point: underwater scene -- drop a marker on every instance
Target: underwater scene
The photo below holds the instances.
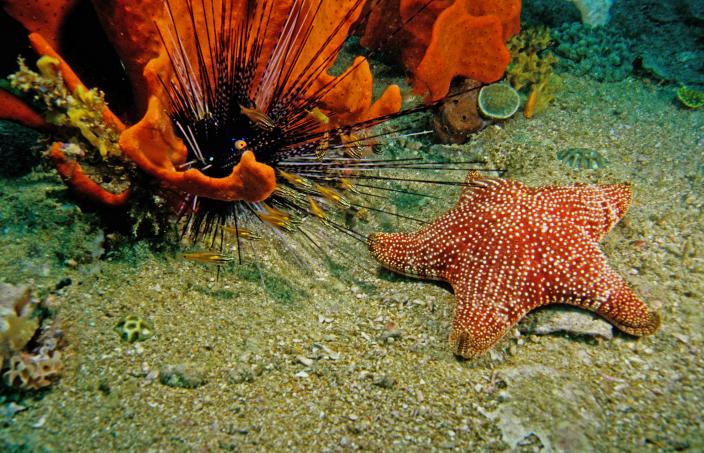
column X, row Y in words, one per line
column 352, row 225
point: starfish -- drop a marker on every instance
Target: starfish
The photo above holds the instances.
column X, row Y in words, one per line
column 506, row 249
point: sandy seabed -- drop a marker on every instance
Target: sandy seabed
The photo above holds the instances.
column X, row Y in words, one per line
column 347, row 359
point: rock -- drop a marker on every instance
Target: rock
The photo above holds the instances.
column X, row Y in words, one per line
column 240, row 373
column 458, row 117
column 567, row 320
column 384, row 381
column 182, row 375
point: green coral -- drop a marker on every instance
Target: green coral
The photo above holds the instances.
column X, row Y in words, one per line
column 690, row 98
column 582, row 158
column 133, row 328
column 594, row 52
column 531, row 61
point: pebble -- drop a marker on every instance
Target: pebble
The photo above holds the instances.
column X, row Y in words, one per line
column 384, row 381
column 572, row 321
column 304, row 360
column 182, row 375
column 239, row 374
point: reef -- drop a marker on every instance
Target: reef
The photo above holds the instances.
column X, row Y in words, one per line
column 439, row 41
column 598, row 52
column 665, row 36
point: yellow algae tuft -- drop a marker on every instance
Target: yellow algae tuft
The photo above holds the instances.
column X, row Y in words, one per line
column 531, row 68
column 80, row 111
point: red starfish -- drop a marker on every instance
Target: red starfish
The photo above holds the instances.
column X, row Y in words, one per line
column 506, row 249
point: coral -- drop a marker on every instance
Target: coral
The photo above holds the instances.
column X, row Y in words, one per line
column 81, row 115
column 595, row 52
column 690, row 98
column 17, row 326
column 594, row 12
column 443, row 39
column 33, row 362
column 651, row 25
column 582, row 158
column 133, row 328
column 34, row 371
column 458, row 116
column 541, row 95
column 531, row 61
column 81, row 110
column 531, row 68
column 498, row 101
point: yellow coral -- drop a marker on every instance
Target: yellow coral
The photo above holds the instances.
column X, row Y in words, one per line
column 531, row 68
column 541, row 95
column 531, row 63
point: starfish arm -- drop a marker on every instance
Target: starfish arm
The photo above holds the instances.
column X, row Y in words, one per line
column 584, row 279
column 485, row 311
column 622, row 308
column 595, row 208
column 404, row 253
column 494, row 291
